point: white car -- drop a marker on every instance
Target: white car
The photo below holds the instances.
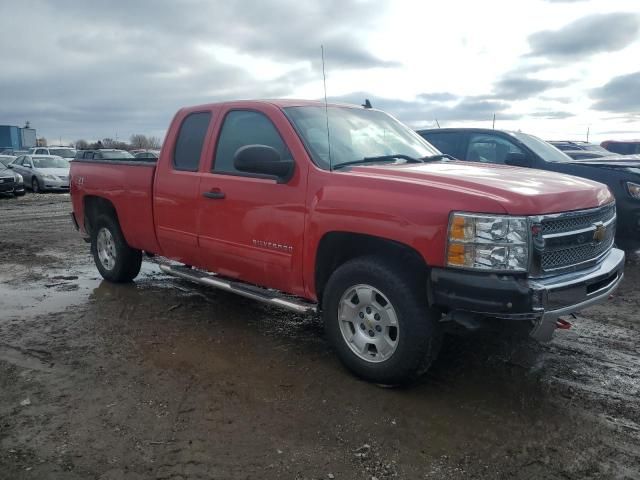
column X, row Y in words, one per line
column 64, row 152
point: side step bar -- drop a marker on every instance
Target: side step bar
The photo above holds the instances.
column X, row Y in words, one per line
column 253, row 292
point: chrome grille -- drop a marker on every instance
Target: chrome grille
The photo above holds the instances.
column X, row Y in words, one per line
column 576, row 221
column 577, row 254
column 567, row 241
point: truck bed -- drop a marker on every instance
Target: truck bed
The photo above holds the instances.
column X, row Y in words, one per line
column 128, row 184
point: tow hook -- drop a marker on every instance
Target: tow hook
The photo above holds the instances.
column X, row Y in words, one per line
column 563, row 324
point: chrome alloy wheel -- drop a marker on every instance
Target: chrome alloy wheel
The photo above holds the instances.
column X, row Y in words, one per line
column 106, row 248
column 368, row 323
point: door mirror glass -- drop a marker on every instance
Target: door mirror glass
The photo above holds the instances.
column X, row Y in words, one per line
column 263, row 160
column 517, row 159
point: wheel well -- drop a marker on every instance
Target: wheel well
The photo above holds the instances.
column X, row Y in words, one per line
column 337, row 248
column 94, row 207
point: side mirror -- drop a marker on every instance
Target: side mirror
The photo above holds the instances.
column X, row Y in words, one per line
column 516, row 159
column 263, row 160
column 10, row 166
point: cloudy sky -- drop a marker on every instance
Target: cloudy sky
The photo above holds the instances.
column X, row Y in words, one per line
column 94, row 69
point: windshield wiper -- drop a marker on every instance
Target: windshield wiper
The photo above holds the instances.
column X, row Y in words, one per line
column 435, row 158
column 394, row 156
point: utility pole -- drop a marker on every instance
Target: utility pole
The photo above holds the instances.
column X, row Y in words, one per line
column 588, row 133
column 493, row 127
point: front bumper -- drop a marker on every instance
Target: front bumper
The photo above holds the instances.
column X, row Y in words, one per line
column 58, row 184
column 9, row 187
column 541, row 300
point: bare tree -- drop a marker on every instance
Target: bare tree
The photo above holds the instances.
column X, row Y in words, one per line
column 82, row 144
column 154, row 143
column 139, row 141
column 41, row 142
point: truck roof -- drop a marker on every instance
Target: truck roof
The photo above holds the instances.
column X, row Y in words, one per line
column 280, row 102
column 464, row 129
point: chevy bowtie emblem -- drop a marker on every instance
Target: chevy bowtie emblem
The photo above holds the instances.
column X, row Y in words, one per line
column 599, row 233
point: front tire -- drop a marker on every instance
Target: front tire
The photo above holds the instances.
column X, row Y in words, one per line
column 35, row 185
column 115, row 259
column 378, row 320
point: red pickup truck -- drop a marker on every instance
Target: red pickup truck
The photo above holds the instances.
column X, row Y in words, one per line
column 346, row 211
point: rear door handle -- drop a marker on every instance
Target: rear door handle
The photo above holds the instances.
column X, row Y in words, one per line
column 214, row 194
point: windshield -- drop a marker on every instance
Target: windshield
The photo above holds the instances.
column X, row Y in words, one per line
column 113, row 154
column 543, row 149
column 354, row 134
column 63, row 152
column 50, row 162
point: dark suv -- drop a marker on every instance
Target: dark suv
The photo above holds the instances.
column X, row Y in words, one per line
column 620, row 174
column 630, row 147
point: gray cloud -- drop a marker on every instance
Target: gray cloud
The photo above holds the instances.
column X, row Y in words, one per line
column 96, row 70
column 620, row 94
column 438, row 96
column 586, row 36
column 552, row 115
column 519, row 88
column 422, row 110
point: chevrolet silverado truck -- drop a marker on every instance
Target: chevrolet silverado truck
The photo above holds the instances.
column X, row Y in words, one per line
column 345, row 211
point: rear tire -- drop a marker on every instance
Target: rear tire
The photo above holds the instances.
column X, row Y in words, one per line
column 115, row 259
column 389, row 336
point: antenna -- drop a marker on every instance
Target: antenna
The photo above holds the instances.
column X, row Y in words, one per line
column 437, row 123
column 326, row 106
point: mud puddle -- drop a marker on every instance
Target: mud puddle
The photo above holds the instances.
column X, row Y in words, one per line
column 43, row 290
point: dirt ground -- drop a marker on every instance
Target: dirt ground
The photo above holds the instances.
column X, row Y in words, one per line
column 162, row 379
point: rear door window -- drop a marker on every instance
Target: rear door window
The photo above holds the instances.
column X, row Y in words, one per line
column 490, row 148
column 241, row 128
column 188, row 150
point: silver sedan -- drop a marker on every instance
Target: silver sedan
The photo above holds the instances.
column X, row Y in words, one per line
column 43, row 172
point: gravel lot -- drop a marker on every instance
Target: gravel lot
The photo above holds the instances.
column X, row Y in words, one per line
column 166, row 380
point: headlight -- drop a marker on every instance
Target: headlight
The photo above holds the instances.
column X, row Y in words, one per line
column 50, row 177
column 18, row 178
column 634, row 190
column 488, row 242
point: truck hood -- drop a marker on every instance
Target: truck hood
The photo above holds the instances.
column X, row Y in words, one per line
column 611, row 162
column 520, row 191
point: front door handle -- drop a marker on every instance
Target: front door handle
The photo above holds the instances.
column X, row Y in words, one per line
column 215, row 194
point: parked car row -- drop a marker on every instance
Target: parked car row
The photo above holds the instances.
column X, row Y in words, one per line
column 115, row 154
column 40, row 173
column 621, row 174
